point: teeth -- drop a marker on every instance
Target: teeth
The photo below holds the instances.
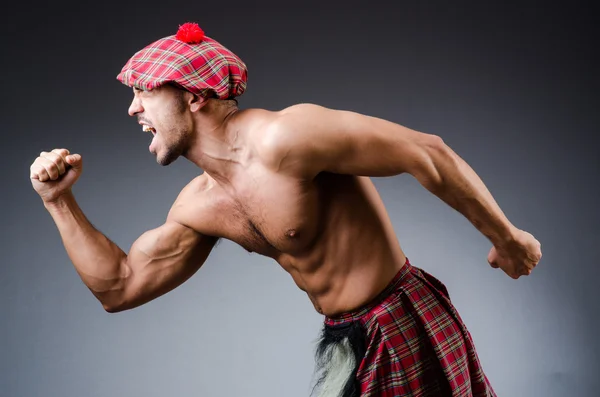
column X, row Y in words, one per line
column 147, row 128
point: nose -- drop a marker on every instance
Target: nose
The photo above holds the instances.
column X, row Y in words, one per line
column 135, row 107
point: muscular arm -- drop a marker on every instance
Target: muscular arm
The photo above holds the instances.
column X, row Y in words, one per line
column 308, row 139
column 158, row 261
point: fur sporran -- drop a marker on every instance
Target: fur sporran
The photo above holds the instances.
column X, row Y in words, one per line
column 339, row 353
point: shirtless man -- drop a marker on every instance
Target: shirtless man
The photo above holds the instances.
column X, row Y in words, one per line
column 293, row 185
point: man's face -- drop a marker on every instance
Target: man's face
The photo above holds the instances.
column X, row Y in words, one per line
column 164, row 113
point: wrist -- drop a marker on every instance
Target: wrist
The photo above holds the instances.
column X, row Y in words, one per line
column 60, row 203
column 505, row 236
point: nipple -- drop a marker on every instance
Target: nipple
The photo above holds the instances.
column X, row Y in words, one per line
column 291, row 233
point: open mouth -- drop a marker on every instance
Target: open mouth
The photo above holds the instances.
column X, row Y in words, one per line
column 147, row 128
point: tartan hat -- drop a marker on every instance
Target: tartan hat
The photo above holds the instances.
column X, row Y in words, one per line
column 189, row 59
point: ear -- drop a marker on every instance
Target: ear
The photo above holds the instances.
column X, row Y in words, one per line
column 196, row 102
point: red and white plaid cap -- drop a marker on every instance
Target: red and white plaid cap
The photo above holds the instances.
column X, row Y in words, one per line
column 189, row 59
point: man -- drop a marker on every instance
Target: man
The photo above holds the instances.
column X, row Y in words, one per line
column 293, row 185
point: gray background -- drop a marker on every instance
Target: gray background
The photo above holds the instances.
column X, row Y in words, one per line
column 512, row 88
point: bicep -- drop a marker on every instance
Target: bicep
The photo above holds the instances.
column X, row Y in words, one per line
column 162, row 259
column 318, row 139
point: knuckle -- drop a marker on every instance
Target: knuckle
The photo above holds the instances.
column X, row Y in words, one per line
column 60, row 153
column 55, row 159
column 51, row 167
column 59, row 162
column 53, row 156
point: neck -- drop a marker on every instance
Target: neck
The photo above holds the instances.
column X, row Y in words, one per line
column 216, row 148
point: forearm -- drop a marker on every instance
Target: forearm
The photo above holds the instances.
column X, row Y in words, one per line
column 98, row 261
column 451, row 179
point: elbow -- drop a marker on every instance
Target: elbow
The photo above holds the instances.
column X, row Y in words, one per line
column 432, row 145
column 118, row 306
column 435, row 156
column 114, row 297
column 434, row 142
column 114, row 304
column 112, row 308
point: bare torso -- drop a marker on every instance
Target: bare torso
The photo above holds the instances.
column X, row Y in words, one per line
column 331, row 234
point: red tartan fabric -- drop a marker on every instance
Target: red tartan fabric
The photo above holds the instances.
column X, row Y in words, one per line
column 417, row 344
column 205, row 68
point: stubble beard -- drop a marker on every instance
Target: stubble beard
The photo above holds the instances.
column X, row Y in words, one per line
column 173, row 150
column 178, row 143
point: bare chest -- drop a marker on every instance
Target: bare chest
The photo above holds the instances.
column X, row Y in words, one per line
column 268, row 214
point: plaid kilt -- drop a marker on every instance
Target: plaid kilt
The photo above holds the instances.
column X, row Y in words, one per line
column 415, row 342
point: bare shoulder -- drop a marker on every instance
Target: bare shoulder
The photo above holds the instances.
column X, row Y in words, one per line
column 300, row 109
column 265, row 126
column 193, row 189
column 304, row 140
column 278, row 135
column 298, row 117
column 192, row 206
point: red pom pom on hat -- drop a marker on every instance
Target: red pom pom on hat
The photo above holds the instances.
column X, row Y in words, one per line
column 190, row 33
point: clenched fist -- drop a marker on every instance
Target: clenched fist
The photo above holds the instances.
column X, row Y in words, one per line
column 53, row 173
column 517, row 258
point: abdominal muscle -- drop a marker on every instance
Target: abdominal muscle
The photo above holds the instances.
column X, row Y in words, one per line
column 333, row 236
column 355, row 255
